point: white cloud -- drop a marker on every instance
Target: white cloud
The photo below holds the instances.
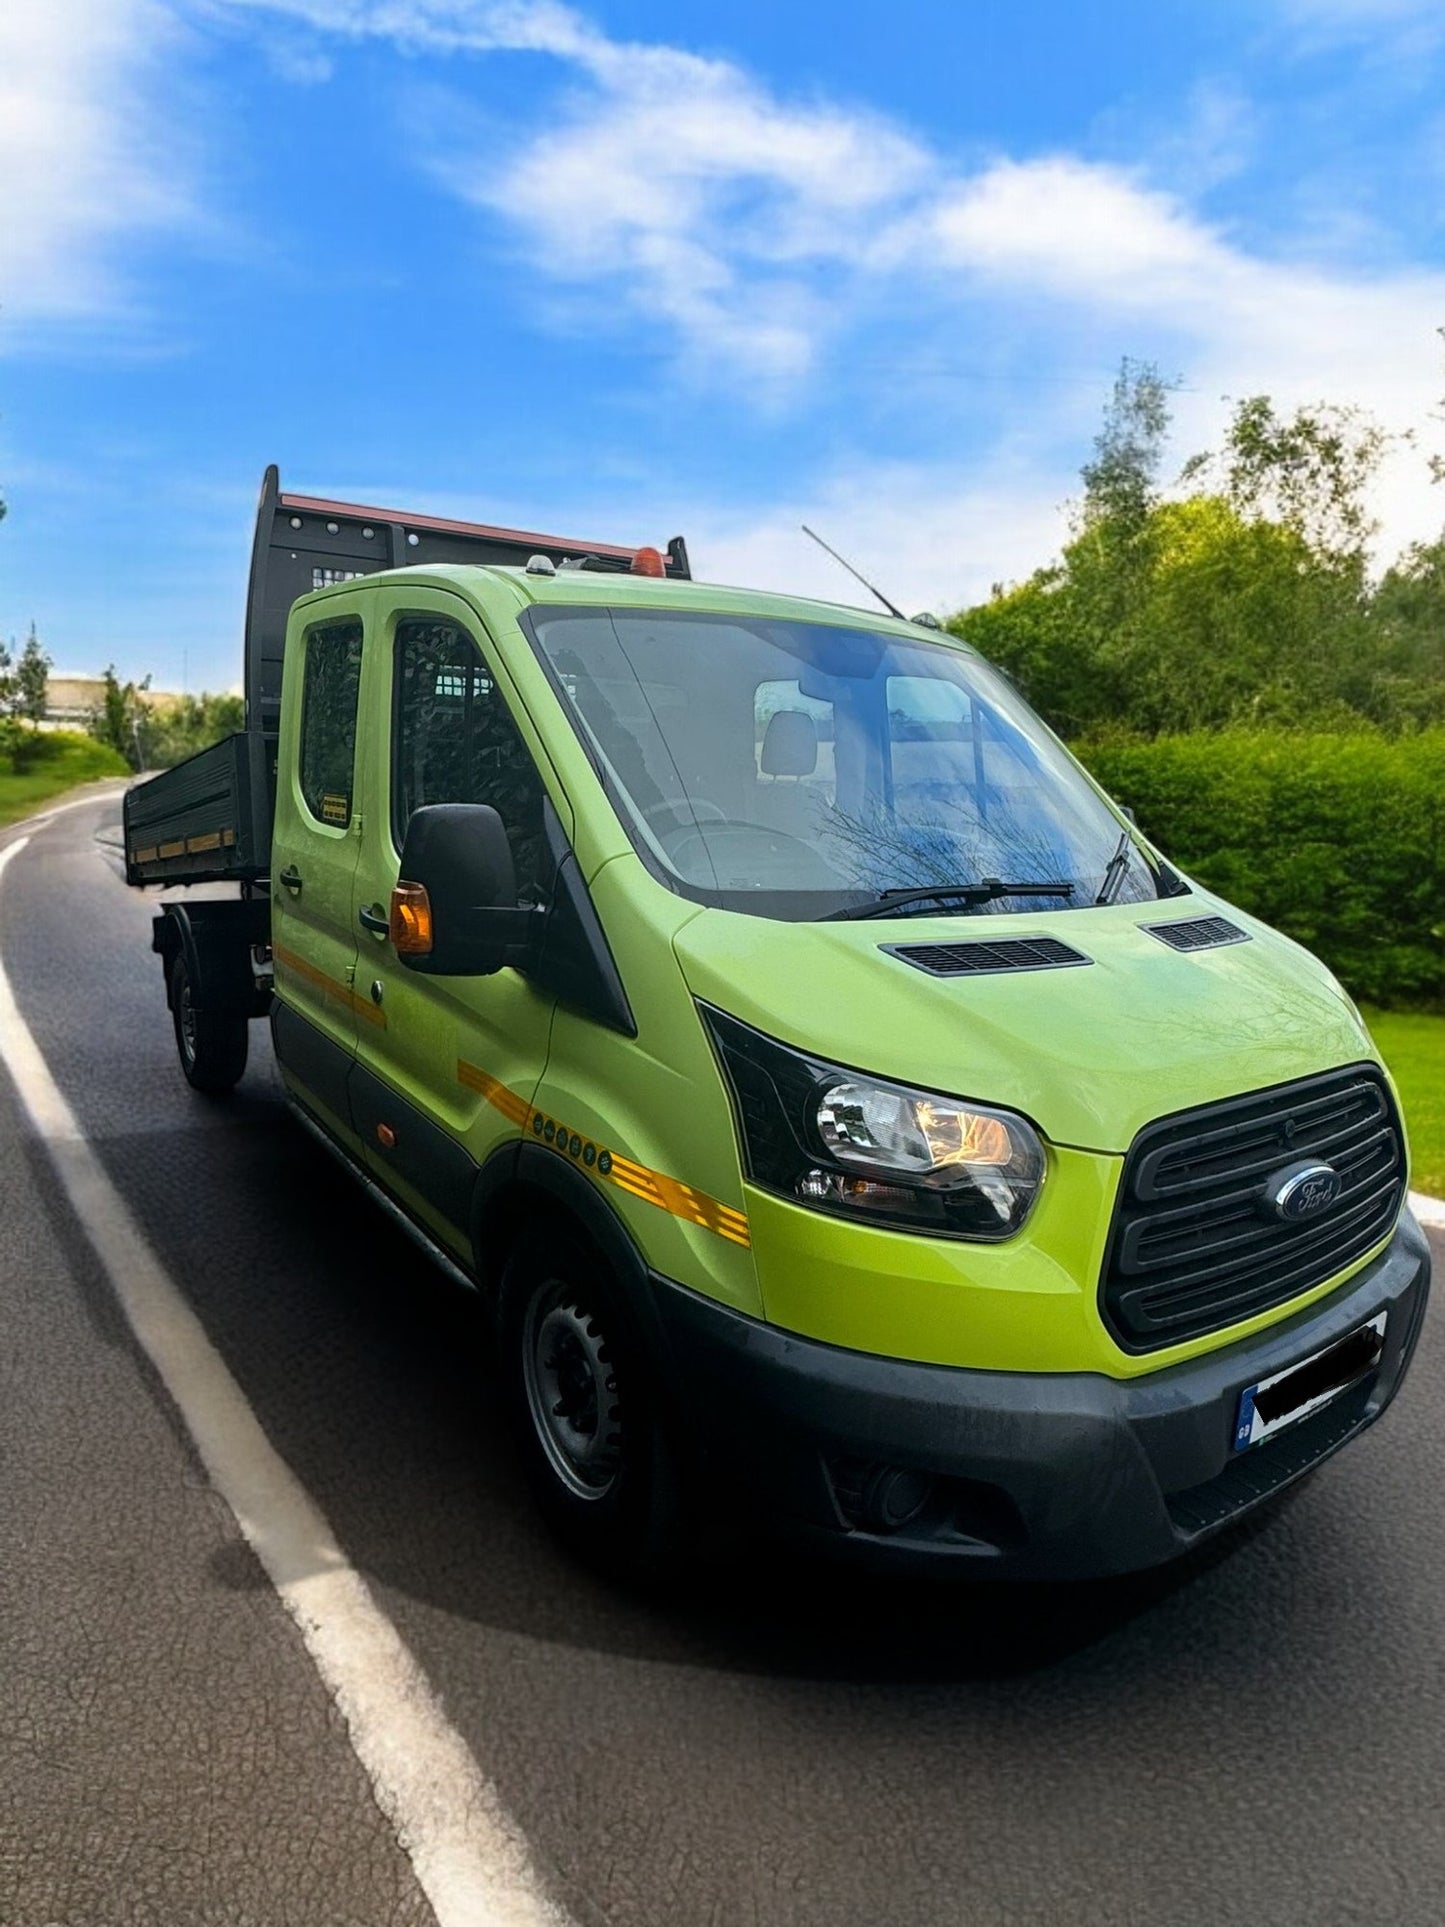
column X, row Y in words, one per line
column 924, row 537
column 755, row 227
column 1399, row 34
column 88, row 154
column 1364, row 13
column 753, row 231
column 710, row 204
column 765, row 237
column 449, row 26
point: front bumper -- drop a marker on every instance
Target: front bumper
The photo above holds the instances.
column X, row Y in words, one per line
column 1033, row 1475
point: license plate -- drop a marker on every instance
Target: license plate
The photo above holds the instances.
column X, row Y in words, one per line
column 1290, row 1395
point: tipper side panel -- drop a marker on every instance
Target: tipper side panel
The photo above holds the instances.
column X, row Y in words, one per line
column 207, row 820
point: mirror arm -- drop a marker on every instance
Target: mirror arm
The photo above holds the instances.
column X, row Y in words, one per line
column 519, row 929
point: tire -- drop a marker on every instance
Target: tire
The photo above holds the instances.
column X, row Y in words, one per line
column 211, row 1044
column 583, row 1401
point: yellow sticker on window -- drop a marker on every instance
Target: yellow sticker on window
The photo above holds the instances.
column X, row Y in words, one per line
column 336, row 809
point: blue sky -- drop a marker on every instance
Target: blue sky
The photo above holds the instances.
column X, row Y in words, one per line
column 623, row 269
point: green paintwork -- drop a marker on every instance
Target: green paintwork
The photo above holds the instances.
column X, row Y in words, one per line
column 317, row 923
column 1089, row 1054
column 500, row 1023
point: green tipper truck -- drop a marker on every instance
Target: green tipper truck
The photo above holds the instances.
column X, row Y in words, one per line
column 852, row 1119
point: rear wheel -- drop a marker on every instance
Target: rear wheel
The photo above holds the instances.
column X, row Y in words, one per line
column 593, row 1436
column 210, row 1044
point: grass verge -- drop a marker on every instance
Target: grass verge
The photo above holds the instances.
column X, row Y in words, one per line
column 1414, row 1048
column 57, row 761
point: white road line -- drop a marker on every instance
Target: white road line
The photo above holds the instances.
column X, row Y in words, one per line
column 28, row 825
column 470, row 1860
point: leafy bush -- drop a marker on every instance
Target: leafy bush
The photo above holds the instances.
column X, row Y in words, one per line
column 54, row 760
column 194, row 723
column 158, row 736
column 1336, row 839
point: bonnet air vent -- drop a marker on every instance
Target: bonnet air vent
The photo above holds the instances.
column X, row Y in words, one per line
column 977, row 959
column 1198, row 933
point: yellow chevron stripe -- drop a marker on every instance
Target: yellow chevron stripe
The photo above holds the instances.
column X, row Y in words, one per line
column 637, row 1180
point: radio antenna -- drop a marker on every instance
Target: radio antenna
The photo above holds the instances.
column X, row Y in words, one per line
column 855, row 573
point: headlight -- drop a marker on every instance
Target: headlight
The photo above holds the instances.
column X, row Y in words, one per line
column 843, row 1142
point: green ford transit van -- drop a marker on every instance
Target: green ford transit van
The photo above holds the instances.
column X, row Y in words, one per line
column 853, row 1119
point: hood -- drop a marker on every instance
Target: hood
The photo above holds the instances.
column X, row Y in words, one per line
column 1090, row 1053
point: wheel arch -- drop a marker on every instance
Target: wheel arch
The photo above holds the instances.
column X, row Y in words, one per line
column 527, row 1186
column 214, row 940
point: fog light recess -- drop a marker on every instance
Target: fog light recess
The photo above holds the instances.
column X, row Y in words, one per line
column 880, row 1498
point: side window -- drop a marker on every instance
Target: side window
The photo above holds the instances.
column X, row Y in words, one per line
column 454, row 741
column 925, row 709
column 330, row 687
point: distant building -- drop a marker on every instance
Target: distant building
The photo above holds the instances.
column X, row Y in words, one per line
column 71, row 701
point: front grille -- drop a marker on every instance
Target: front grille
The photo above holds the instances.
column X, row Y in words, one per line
column 973, row 959
column 1194, row 1247
column 1197, row 933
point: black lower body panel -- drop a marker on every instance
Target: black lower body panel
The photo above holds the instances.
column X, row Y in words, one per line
column 1038, row 1476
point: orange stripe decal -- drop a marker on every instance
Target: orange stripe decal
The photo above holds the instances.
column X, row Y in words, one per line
column 515, row 1109
column 363, row 1007
column 637, row 1180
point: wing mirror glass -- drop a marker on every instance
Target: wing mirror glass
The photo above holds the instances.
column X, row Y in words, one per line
column 454, row 911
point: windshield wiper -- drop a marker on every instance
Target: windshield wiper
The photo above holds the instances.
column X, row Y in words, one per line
column 1114, row 872
column 984, row 891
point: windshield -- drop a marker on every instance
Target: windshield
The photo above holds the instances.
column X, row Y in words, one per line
column 797, row 769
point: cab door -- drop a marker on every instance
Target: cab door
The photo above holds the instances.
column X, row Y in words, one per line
column 450, row 1075
column 316, row 841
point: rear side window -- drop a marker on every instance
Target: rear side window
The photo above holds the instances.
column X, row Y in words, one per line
column 455, row 742
column 328, row 721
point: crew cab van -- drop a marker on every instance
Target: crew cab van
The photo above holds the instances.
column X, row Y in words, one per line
column 852, row 1118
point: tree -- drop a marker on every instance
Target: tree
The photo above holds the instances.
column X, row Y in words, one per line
column 121, row 719
column 1121, row 482
column 1245, row 601
column 32, row 680
column 16, row 742
column 1310, row 471
column 192, row 724
column 1408, row 610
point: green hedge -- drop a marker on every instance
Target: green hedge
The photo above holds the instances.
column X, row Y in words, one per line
column 48, row 763
column 1338, row 840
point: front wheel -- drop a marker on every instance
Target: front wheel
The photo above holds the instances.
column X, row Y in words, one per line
column 597, row 1450
column 210, row 1044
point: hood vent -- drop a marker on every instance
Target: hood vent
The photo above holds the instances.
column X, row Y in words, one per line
column 1199, row 933
column 979, row 959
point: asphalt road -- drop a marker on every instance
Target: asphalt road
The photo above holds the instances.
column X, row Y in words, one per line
column 1255, row 1736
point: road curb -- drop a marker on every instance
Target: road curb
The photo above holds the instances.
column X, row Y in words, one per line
column 70, row 799
column 1430, row 1211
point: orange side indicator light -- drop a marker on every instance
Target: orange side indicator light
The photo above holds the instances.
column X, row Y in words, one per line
column 411, row 920
column 386, row 1137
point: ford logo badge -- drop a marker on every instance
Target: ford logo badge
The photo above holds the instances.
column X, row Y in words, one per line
column 1303, row 1191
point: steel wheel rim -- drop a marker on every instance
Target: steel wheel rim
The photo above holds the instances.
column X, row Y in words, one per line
column 188, row 1022
column 571, row 1391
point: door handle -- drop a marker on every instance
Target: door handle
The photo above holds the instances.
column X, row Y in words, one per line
column 291, row 878
column 374, row 921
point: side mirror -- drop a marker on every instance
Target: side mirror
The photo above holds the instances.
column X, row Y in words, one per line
column 454, row 911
